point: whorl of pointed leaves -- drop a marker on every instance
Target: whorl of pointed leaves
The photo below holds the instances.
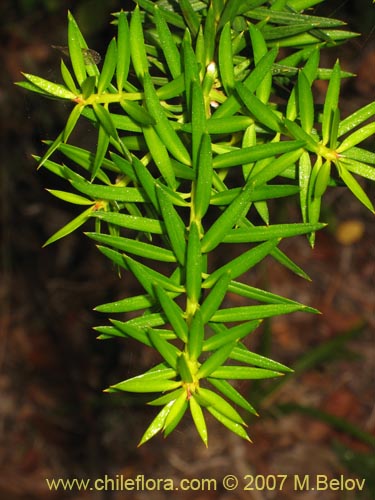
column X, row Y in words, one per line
column 200, row 123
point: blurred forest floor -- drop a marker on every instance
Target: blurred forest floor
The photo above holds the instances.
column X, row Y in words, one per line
column 54, row 419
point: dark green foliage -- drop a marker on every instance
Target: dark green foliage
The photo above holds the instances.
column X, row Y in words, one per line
column 194, row 137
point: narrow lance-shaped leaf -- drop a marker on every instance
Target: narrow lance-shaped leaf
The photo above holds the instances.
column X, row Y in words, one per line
column 305, row 103
column 70, row 227
column 50, row 88
column 215, row 360
column 255, row 153
column 216, row 296
column 137, row 45
column 68, row 79
column 226, row 221
column 304, row 171
column 71, row 122
column 257, row 108
column 322, row 179
column 264, row 233
column 71, row 197
column 174, row 225
column 203, row 185
column 239, row 265
column 198, row 121
column 168, row 44
column 226, row 59
column 190, row 66
column 356, row 118
column 130, row 221
column 105, row 120
column 138, row 384
column 231, row 393
column 88, row 86
column 260, row 50
column 196, row 336
column 185, row 368
column 227, row 422
column 331, row 102
column 247, row 313
column 277, row 167
column 123, row 51
column 173, row 312
column 198, row 419
column 133, row 246
column 101, row 151
column 191, row 17
column 355, row 187
column 167, row 398
column 75, row 45
column 175, row 414
column 242, row 354
column 209, row 33
column 207, row 398
column 248, row 140
column 233, row 104
column 226, row 335
column 243, row 373
column 109, row 67
column 156, row 424
column 167, row 350
column 163, row 127
column 357, row 137
column 193, row 265
column 160, row 155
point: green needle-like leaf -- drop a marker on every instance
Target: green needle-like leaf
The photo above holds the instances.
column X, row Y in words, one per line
column 355, row 187
column 167, row 43
column 203, row 185
column 130, row 221
column 243, row 373
column 167, row 350
column 305, row 103
column 243, row 263
column 109, row 67
column 137, row 45
column 157, row 424
column 231, row 393
column 175, row 414
column 258, row 109
column 215, row 360
column 206, row 398
column 193, row 264
column 174, row 225
column 196, row 336
column 226, row 59
column 331, row 102
column 198, row 418
column 247, row 313
column 50, row 88
column 197, row 120
column 173, row 313
column 135, row 247
column 75, row 45
column 155, row 381
column 229, row 335
column 70, row 197
column 226, row 221
column 70, row 227
column 216, row 296
column 123, row 51
column 163, row 127
column 227, row 422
